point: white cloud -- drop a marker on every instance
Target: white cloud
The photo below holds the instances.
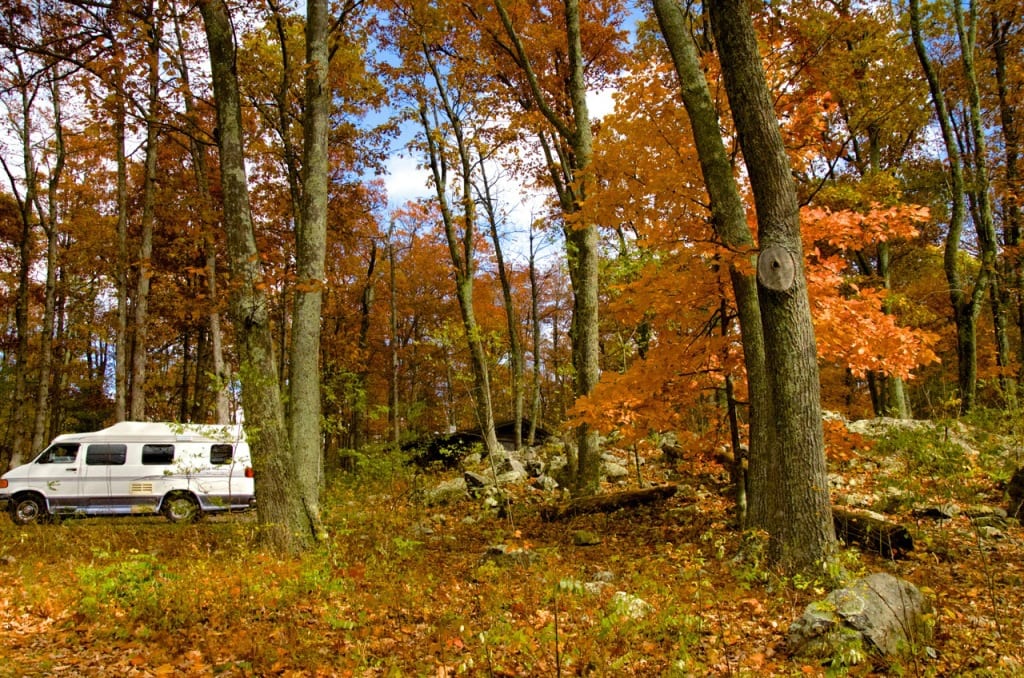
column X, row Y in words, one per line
column 405, row 180
column 601, row 103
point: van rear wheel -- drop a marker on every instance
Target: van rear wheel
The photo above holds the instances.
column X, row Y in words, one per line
column 181, row 507
column 28, row 509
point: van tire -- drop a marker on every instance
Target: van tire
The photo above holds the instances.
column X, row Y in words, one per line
column 181, row 507
column 29, row 508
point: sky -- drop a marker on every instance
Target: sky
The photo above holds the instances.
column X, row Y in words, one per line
column 406, row 181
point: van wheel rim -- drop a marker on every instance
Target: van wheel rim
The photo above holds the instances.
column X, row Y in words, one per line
column 182, row 509
column 28, row 511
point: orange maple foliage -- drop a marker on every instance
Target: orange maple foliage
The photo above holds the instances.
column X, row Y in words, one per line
column 851, row 323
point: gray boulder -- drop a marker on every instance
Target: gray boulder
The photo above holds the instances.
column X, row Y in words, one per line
column 629, row 606
column 476, row 481
column 545, row 483
column 448, row 492
column 615, row 472
column 877, row 615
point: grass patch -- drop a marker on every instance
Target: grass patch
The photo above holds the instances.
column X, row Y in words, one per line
column 401, row 589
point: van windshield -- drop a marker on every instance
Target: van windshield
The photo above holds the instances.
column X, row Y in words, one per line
column 61, row 453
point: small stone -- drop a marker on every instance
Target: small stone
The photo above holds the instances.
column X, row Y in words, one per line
column 940, row 512
column 545, row 483
column 446, row 493
column 981, row 511
column 475, row 481
column 990, row 532
column 630, row 606
column 585, row 538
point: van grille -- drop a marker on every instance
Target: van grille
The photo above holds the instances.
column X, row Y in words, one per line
column 142, row 488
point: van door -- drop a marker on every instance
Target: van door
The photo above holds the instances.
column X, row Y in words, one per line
column 54, row 474
column 104, row 489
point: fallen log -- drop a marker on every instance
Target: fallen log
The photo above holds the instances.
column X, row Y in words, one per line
column 872, row 531
column 606, row 503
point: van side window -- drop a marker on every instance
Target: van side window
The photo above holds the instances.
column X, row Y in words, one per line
column 61, row 453
column 157, row 455
column 105, row 454
column 221, row 454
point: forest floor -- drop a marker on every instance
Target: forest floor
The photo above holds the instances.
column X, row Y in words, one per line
column 406, row 590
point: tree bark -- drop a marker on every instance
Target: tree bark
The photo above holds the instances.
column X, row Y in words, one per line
column 873, row 533
column 311, row 248
column 965, row 300
column 48, row 219
column 461, row 248
column 515, row 347
column 730, row 222
column 282, row 516
column 980, row 186
column 606, row 503
column 1012, row 270
column 535, row 342
column 394, row 420
column 801, row 530
column 221, row 378
column 121, row 349
column 20, row 434
column 571, row 180
column 140, row 325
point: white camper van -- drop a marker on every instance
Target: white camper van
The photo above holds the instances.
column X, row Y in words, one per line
column 134, row 468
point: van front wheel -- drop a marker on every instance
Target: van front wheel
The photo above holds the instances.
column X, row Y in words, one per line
column 181, row 507
column 28, row 509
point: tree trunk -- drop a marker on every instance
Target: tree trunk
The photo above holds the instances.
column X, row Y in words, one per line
column 730, row 222
column 893, row 396
column 140, row 328
column 221, row 378
column 801, row 526
column 535, row 411
column 583, row 258
column 284, row 523
column 965, row 301
column 872, row 532
column 1013, row 264
column 311, row 248
column 20, row 415
column 581, row 239
column 980, row 186
column 393, row 418
column 607, row 503
column 40, row 428
column 515, row 347
column 366, row 300
column 121, row 349
column 461, row 248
